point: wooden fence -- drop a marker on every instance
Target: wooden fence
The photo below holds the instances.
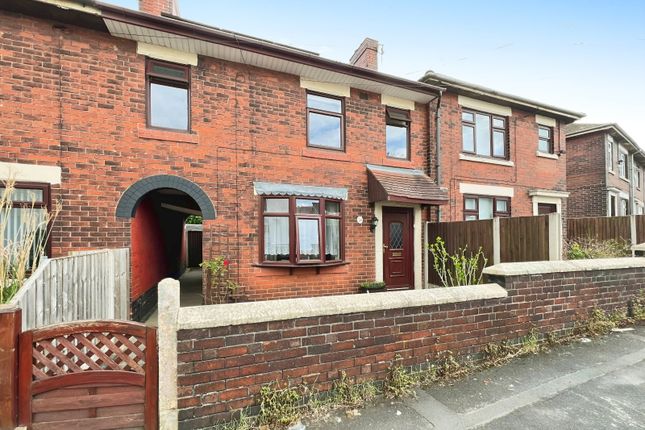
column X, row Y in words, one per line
column 85, row 286
column 630, row 228
column 503, row 240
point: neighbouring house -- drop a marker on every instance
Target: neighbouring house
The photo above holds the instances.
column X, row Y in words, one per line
column 310, row 175
column 604, row 171
column 499, row 155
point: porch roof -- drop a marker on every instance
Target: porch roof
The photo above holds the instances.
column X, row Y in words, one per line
column 404, row 186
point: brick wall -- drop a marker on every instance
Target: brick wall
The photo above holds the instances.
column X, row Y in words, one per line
column 586, row 179
column 75, row 98
column 221, row 369
column 529, row 171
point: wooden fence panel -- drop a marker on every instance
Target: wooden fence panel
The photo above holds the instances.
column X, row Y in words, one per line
column 524, row 239
column 88, row 285
column 473, row 234
column 640, row 228
column 599, row 228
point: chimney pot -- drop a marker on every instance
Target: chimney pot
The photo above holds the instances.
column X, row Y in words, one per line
column 366, row 55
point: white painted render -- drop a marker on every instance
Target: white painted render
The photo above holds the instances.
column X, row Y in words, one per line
column 545, row 120
column 486, row 190
column 397, row 102
column 340, row 90
column 483, row 106
column 30, row 173
column 167, row 54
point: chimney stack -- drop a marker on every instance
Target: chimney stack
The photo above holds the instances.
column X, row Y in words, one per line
column 157, row 7
column 366, row 55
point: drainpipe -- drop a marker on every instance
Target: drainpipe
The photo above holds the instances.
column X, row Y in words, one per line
column 438, row 148
column 631, row 184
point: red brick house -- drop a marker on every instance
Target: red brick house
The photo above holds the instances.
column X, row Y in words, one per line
column 499, row 154
column 604, row 171
column 311, row 175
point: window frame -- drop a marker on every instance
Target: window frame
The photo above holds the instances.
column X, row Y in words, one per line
column 492, row 130
column 340, row 115
column 623, row 168
column 550, row 140
column 45, row 203
column 475, row 212
column 170, row 81
column 407, row 127
column 294, row 237
column 610, row 154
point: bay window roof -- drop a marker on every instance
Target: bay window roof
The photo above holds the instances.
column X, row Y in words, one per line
column 277, row 189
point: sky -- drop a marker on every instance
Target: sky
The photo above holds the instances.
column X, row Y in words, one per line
column 581, row 55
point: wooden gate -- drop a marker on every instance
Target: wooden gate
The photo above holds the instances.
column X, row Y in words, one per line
column 88, row 375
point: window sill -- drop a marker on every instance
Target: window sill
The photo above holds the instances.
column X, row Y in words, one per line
column 611, row 171
column 624, row 179
column 476, row 159
column 547, row 155
column 167, row 135
column 291, row 266
column 325, row 154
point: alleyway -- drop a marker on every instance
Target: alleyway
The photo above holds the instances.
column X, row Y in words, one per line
column 191, row 292
column 594, row 385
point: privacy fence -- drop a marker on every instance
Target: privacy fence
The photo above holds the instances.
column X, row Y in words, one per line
column 501, row 240
column 629, row 228
column 88, row 285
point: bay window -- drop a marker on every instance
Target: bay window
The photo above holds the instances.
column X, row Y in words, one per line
column 301, row 230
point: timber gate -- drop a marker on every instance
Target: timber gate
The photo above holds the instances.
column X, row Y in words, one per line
column 88, row 375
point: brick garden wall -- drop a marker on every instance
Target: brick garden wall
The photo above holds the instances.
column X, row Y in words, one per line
column 222, row 369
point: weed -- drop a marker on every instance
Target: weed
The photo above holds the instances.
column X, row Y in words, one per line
column 399, row 383
column 579, row 249
column 599, row 323
column 279, row 406
column 243, row 422
column 638, row 307
column 347, row 393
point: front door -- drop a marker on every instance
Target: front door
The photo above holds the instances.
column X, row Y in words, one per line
column 397, row 248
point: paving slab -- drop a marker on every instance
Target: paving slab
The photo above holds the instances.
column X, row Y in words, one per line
column 594, row 385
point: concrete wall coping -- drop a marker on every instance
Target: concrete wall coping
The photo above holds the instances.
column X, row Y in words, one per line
column 543, row 267
column 277, row 310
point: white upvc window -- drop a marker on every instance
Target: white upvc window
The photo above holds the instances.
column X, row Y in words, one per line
column 610, row 154
column 623, row 158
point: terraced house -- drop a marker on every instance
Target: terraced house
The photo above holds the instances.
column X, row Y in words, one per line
column 311, row 175
column 604, row 171
column 499, row 155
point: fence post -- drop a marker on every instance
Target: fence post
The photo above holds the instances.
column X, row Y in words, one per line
column 168, row 309
column 555, row 236
column 10, row 327
column 632, row 233
column 497, row 252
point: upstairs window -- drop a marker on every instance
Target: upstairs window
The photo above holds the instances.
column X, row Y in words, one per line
column 622, row 165
column 168, row 95
column 545, row 139
column 484, row 207
column 637, row 178
column 610, row 155
column 483, row 134
column 300, row 230
column 397, row 133
column 325, row 122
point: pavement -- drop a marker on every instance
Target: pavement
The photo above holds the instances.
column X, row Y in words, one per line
column 585, row 385
column 190, row 292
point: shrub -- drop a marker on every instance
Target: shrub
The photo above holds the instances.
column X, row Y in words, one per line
column 581, row 248
column 460, row 268
column 222, row 287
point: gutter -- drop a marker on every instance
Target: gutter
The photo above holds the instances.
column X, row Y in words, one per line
column 200, row 32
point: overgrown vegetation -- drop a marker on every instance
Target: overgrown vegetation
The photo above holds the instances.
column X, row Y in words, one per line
column 194, row 219
column 22, row 243
column 281, row 407
column 586, row 248
column 460, row 268
column 223, row 288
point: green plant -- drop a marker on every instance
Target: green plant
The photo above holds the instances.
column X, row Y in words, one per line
column 222, row 287
column 347, row 393
column 599, row 323
column 243, row 422
column 194, row 219
column 638, row 307
column 279, row 407
column 372, row 285
column 21, row 253
column 399, row 382
column 586, row 248
column 459, row 268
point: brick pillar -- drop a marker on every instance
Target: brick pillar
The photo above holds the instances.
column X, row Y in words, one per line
column 10, row 327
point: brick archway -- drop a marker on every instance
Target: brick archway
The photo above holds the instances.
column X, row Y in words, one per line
column 130, row 199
